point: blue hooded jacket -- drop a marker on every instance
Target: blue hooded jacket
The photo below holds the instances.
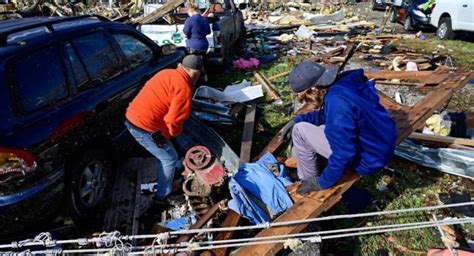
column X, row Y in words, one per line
column 196, row 28
column 361, row 133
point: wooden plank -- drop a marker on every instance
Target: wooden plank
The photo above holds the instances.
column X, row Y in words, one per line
column 146, row 174
column 232, row 219
column 442, row 139
column 313, row 204
column 310, row 206
column 168, row 7
column 119, row 215
column 267, row 85
column 247, row 135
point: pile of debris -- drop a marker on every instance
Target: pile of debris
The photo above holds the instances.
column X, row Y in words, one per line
column 223, row 191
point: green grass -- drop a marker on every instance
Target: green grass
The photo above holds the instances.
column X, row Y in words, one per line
column 460, row 51
column 412, row 187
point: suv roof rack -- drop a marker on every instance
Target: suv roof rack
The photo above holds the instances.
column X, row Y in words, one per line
column 48, row 24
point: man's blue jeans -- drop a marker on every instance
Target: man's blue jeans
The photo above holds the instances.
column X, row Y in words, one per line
column 166, row 155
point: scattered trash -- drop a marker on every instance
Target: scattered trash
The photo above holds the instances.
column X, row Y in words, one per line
column 452, row 161
column 149, row 188
column 292, row 244
column 241, row 92
column 243, row 64
column 420, row 35
column 411, row 66
column 304, row 32
column 437, row 124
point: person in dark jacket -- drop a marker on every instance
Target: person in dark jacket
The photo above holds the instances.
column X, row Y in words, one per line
column 351, row 129
column 196, row 28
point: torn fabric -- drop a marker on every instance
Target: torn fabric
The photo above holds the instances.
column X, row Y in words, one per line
column 257, row 194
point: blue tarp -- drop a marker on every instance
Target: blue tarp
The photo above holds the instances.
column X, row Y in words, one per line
column 256, row 182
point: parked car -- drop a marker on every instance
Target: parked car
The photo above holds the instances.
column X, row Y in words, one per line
column 226, row 20
column 379, row 4
column 64, row 87
column 450, row 16
column 411, row 15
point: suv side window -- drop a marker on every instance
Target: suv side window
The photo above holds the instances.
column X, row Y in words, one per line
column 40, row 79
column 136, row 52
column 98, row 56
column 78, row 69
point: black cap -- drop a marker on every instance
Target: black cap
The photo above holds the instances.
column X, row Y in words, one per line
column 193, row 62
column 309, row 73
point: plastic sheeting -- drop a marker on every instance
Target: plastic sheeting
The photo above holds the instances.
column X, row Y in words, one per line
column 452, row 161
column 241, row 92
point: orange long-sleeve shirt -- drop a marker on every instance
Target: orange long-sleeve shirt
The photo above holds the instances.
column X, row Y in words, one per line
column 163, row 104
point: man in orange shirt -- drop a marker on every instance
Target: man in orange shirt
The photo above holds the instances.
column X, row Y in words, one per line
column 158, row 113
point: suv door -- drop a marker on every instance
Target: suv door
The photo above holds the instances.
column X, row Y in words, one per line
column 466, row 15
column 40, row 91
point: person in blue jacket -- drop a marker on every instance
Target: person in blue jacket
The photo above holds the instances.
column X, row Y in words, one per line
column 352, row 130
column 196, row 28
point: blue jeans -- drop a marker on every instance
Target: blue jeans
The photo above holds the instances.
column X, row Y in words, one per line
column 166, row 155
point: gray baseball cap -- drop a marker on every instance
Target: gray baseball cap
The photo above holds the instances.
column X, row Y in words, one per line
column 309, row 73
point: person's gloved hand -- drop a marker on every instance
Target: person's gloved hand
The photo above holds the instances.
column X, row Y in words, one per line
column 308, row 185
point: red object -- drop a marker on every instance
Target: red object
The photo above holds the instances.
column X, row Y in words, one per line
column 27, row 156
column 207, row 169
column 163, row 104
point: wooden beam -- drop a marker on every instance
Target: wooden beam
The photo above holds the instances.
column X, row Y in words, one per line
column 232, row 219
column 166, row 8
column 247, row 135
column 442, row 139
column 202, row 220
column 267, row 85
column 309, row 206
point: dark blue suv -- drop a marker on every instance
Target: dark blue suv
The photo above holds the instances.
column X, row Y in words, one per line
column 64, row 86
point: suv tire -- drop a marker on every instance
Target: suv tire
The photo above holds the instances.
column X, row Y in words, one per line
column 89, row 181
column 407, row 23
column 445, row 30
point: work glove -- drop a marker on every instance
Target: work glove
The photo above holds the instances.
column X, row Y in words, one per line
column 308, row 185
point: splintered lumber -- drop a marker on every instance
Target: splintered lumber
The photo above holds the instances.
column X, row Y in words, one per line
column 437, row 77
column 442, row 139
column 166, row 8
column 247, row 135
column 231, row 220
column 317, row 202
column 268, row 86
column 202, row 220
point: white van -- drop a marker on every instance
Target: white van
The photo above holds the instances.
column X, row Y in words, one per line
column 449, row 16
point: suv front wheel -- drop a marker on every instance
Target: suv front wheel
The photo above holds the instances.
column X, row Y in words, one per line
column 445, row 30
column 90, row 180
